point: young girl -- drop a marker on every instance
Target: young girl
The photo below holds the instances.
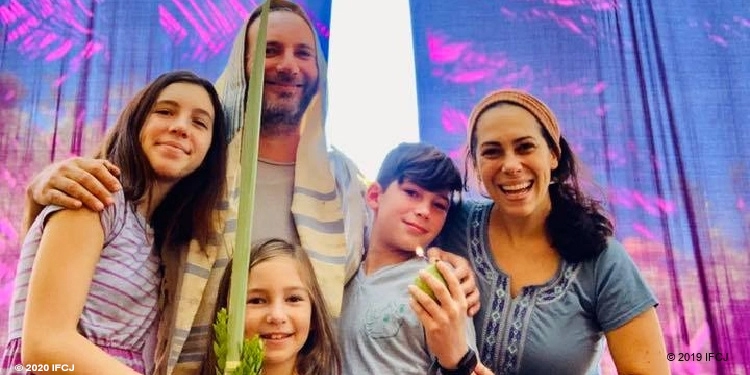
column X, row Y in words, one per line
column 285, row 307
column 87, row 282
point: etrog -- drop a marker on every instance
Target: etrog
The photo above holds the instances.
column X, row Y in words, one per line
column 432, row 270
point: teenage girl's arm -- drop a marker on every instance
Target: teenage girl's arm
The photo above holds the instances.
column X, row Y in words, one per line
column 60, row 279
column 638, row 346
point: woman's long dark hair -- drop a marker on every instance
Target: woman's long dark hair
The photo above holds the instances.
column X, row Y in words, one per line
column 577, row 225
column 188, row 210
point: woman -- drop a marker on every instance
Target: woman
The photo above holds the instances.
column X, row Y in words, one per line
column 553, row 281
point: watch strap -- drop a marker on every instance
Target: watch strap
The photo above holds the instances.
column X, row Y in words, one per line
column 465, row 366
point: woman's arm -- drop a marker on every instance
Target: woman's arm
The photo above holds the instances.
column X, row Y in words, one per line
column 62, row 273
column 638, row 347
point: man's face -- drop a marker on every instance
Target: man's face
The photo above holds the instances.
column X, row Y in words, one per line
column 291, row 69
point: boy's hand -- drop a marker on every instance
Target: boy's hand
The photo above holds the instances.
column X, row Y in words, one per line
column 481, row 370
column 444, row 319
column 75, row 182
column 464, row 273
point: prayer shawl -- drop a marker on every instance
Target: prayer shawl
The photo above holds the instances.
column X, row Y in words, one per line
column 328, row 208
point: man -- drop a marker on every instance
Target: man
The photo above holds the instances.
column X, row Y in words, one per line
column 304, row 194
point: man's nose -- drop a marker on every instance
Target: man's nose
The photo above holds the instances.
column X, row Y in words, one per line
column 288, row 64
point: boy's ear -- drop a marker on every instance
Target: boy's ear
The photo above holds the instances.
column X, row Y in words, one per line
column 372, row 196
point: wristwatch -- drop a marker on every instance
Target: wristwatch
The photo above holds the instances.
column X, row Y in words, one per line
column 465, row 365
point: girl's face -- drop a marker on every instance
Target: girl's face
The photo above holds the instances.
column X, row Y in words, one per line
column 177, row 133
column 513, row 161
column 278, row 309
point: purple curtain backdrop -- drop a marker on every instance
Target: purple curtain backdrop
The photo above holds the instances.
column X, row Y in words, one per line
column 654, row 97
column 68, row 67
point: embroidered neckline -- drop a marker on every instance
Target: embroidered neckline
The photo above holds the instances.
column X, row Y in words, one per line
column 479, row 222
column 506, row 327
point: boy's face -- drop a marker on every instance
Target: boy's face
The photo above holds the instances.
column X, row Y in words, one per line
column 406, row 215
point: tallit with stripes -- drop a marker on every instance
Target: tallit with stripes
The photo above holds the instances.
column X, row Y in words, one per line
column 327, row 206
column 318, row 206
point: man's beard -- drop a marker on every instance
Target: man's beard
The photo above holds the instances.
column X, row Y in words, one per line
column 280, row 119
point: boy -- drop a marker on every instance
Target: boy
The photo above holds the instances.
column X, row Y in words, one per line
column 379, row 333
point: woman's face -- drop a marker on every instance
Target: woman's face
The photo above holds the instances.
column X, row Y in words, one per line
column 513, row 160
column 278, row 309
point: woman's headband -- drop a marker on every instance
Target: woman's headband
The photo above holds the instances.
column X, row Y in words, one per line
column 524, row 100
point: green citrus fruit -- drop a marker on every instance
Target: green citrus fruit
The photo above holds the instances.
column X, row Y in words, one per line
column 432, row 270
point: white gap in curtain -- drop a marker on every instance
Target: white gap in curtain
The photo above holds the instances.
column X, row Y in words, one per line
column 372, row 96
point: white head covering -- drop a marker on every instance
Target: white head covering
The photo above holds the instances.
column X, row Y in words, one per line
column 325, row 215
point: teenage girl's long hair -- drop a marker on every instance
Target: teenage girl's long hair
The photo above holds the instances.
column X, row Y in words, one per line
column 188, row 210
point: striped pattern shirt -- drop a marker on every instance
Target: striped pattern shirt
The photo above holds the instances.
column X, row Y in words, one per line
column 120, row 311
